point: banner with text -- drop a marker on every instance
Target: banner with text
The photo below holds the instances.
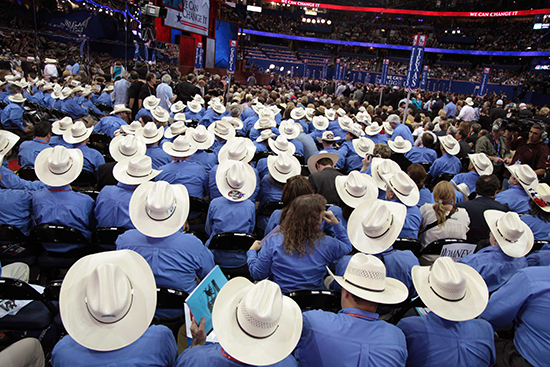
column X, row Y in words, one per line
column 385, row 67
column 424, row 80
column 232, row 56
column 325, row 69
column 199, row 56
column 193, row 18
column 484, row 81
column 415, row 62
column 337, row 70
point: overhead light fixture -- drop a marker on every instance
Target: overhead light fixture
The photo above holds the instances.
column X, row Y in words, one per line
column 323, row 21
column 308, row 20
column 329, row 22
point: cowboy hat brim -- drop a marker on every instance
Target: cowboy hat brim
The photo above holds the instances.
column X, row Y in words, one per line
column 353, row 201
column 291, row 147
column 168, row 148
column 49, row 178
column 69, row 138
column 250, row 151
column 377, row 177
column 409, row 200
column 519, row 248
column 362, row 153
column 207, row 143
column 12, row 139
column 312, row 161
column 114, row 149
column 278, row 176
column 153, row 139
column 120, row 172
column 481, row 172
column 405, row 149
column 230, row 193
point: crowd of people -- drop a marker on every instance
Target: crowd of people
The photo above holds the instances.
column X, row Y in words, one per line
column 351, row 176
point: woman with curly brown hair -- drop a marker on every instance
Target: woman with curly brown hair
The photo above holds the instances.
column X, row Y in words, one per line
column 296, row 256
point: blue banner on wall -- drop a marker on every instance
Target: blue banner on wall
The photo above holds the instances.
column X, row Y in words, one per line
column 484, row 81
column 232, row 56
column 415, row 62
column 385, row 67
column 325, row 69
column 337, row 70
column 306, row 70
column 199, row 56
column 424, row 80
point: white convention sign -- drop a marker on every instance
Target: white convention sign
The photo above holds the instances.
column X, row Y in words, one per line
column 457, row 251
column 193, row 18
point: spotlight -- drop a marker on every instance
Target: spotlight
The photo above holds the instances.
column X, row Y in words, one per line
column 282, row 68
column 272, row 66
column 323, row 21
column 329, row 22
column 303, row 20
column 308, row 20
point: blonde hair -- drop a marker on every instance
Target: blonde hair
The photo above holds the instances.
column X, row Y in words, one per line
column 444, row 194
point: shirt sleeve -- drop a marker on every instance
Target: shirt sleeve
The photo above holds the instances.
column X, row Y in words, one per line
column 206, row 263
column 341, row 244
column 168, row 346
column 259, row 263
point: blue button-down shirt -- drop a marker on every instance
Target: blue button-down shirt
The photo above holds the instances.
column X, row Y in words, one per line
column 175, row 260
column 16, row 209
column 211, row 355
column 112, row 206
column 403, row 131
column 348, row 154
column 105, row 98
column 292, row 272
column 412, row 221
column 210, row 116
column 494, row 265
column 143, row 112
column 261, row 167
column 539, row 227
column 540, row 257
column 72, row 108
column 62, row 206
column 157, row 347
column 380, row 138
column 213, row 188
column 206, row 160
column 445, row 164
column 48, row 100
column 11, row 181
column 516, row 198
column 270, row 190
column 58, row 140
column 429, row 339
column 91, row 106
column 421, row 155
column 426, row 197
column 12, row 117
column 318, row 345
column 450, row 109
column 92, row 158
column 468, row 178
column 525, row 298
column 121, row 92
column 182, row 172
column 29, row 150
column 158, row 156
column 109, row 124
column 189, row 115
column 165, row 93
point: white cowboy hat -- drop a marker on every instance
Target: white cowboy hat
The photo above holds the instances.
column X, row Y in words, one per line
column 7, row 142
column 177, row 128
column 222, row 129
column 363, row 117
column 265, row 123
column 77, row 133
column 374, row 225
column 356, row 130
column 160, row 114
column 58, row 166
column 328, row 136
column 310, row 113
column 356, row 188
column 50, row 61
column 363, row 146
column 85, row 92
column 125, row 147
column 183, row 146
column 255, row 323
column 345, row 123
column 265, row 134
column 341, row 112
column 201, row 136
column 235, row 122
column 158, row 209
column 198, row 98
column 108, row 300
column 525, row 175
column 48, row 86
column 258, row 107
column 365, row 277
column 135, row 171
column 387, row 127
column 312, row 161
column 274, row 109
column 266, row 112
column 451, row 290
column 400, row 145
column 283, row 166
column 235, row 109
column 177, row 107
column 17, row 98
column 180, row 116
column 514, row 237
column 74, row 83
column 65, row 93
column 120, row 108
column 238, row 149
column 330, row 114
column 150, row 133
column 109, row 88
column 403, row 187
column 217, row 106
column 541, row 196
column 464, row 190
column 320, row 123
column 469, row 101
column 482, row 164
column 450, row 144
column 298, row 113
column 289, row 129
column 149, row 103
column 373, row 129
column 131, row 129
column 235, row 180
column 281, row 145
column 194, row 106
column 60, row 126
column 381, row 167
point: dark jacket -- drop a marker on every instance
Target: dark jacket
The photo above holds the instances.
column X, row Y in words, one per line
column 323, row 183
column 479, row 230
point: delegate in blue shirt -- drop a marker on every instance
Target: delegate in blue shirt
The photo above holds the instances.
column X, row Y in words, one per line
column 292, row 272
column 348, row 154
column 11, row 181
column 109, row 124
column 157, row 347
column 421, row 155
column 516, row 198
column 92, row 158
column 28, row 150
column 16, row 209
column 112, row 206
column 494, row 265
column 105, row 98
column 205, row 159
column 426, row 197
column 525, row 299
column 12, row 117
column 189, row 115
column 403, row 131
column 352, row 337
column 71, row 107
column 210, row 116
column 158, row 156
column 541, row 257
column 539, row 227
column 412, row 222
column 213, row 188
column 435, row 342
column 468, row 178
column 182, row 172
column 447, row 163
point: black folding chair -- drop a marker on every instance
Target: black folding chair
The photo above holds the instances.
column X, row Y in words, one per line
column 91, row 193
column 199, row 209
column 100, row 142
column 15, row 246
column 426, row 165
column 300, row 158
column 104, row 108
column 438, row 179
column 412, row 244
column 234, row 242
column 85, row 179
column 305, row 170
column 105, row 237
column 313, row 299
column 538, row 245
column 172, row 300
column 27, row 173
column 261, row 155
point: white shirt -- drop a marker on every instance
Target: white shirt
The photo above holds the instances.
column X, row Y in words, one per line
column 454, row 227
column 50, row 70
column 164, row 92
column 467, row 113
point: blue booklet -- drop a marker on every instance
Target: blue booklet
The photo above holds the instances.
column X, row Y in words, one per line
column 201, row 300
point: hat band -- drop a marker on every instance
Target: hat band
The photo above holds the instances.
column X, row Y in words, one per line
column 440, row 296
column 116, row 319
column 397, row 191
column 78, row 136
column 199, row 141
column 353, row 195
column 7, row 144
column 281, row 149
column 501, row 235
column 138, row 175
column 180, row 150
column 129, row 154
column 361, row 287
column 281, row 172
column 169, row 212
column 246, row 332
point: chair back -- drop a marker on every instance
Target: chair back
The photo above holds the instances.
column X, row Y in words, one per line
column 170, row 298
column 52, row 290
column 27, row 173
column 438, row 179
column 53, row 233
column 197, row 205
column 103, row 107
column 261, row 155
column 232, row 241
column 305, row 170
column 105, row 237
column 85, row 179
column 449, row 247
column 538, row 245
column 316, row 299
column 11, row 234
column 426, row 165
column 300, row 158
column 268, row 208
column 411, row 244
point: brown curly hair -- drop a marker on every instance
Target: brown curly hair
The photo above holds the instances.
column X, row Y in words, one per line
column 301, row 226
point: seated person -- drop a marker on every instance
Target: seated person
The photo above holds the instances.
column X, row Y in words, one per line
column 418, row 174
column 16, row 209
column 348, row 150
column 107, row 327
column 400, row 188
column 58, row 129
column 522, row 178
column 8, row 179
column 58, row 204
column 78, row 135
column 28, row 150
column 151, row 135
column 456, row 295
column 109, row 124
column 149, row 104
column 400, row 147
column 290, row 131
column 538, row 218
column 203, row 139
column 424, row 153
column 447, row 163
column 323, row 175
column 510, row 240
column 25, row 352
column 479, row 165
column 365, row 286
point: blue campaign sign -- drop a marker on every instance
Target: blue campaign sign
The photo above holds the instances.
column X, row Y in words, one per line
column 325, row 69
column 415, row 62
column 337, row 70
column 484, row 81
column 306, row 70
column 232, row 56
column 344, row 72
column 385, row 67
column 424, row 80
column 199, row 56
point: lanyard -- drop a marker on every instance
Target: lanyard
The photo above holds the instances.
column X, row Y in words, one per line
column 40, row 141
column 58, row 190
column 367, row 318
column 224, row 353
column 497, row 146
